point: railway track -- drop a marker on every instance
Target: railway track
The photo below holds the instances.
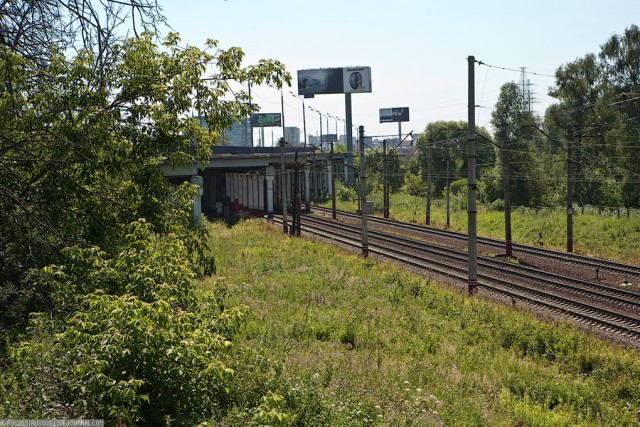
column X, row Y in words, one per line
column 609, row 309
column 624, row 271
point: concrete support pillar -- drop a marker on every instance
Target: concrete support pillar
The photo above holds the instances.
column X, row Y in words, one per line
column 269, row 178
column 230, row 191
column 236, row 193
column 289, row 181
column 322, row 177
column 197, row 199
column 318, row 183
column 254, row 194
column 250, row 193
column 247, row 193
column 243, row 192
column 326, row 177
column 329, row 179
column 307, row 184
column 260, row 185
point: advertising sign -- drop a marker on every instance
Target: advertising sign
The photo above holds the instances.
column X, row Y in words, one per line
column 334, row 80
column 389, row 115
column 266, row 119
column 357, row 79
column 329, row 137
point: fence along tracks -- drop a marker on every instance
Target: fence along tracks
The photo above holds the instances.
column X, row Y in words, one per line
column 604, row 307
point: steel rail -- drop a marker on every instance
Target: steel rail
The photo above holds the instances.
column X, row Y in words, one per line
column 579, row 287
column 586, row 313
column 625, row 270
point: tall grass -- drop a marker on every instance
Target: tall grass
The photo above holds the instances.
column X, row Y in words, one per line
column 356, row 342
column 596, row 233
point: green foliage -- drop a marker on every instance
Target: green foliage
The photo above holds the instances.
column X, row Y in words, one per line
column 414, row 185
column 514, row 124
column 134, row 341
column 83, row 141
column 376, row 164
column 345, row 193
column 423, row 355
column 604, row 142
column 447, row 141
column 269, row 412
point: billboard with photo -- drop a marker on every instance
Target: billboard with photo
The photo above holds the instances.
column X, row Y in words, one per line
column 357, row 79
column 319, row 81
column 389, row 115
column 266, row 119
column 334, row 80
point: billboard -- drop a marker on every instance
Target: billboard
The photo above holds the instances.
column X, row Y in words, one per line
column 329, row 137
column 334, row 80
column 266, row 119
column 357, row 79
column 389, row 115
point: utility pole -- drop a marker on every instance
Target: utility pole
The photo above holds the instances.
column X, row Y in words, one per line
column 471, row 162
column 448, row 204
column 570, row 188
column 295, row 226
column 284, row 136
column 304, row 123
column 328, row 125
column 320, row 117
column 250, row 114
column 385, row 182
column 363, row 196
column 429, row 144
column 506, row 186
column 292, row 229
column 333, row 184
column 283, row 184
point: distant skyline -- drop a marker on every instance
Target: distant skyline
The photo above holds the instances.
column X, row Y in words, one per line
column 417, row 50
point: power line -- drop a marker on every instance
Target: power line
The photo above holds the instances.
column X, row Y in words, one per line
column 513, row 69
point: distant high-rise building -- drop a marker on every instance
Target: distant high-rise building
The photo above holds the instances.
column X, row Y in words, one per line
column 292, row 135
column 313, row 140
column 239, row 135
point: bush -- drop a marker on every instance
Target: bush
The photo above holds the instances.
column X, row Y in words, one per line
column 345, row 193
column 414, row 185
column 134, row 342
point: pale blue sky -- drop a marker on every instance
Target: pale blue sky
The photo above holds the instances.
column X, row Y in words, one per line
column 416, row 49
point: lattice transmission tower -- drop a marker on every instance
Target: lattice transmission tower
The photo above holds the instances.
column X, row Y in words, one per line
column 528, row 97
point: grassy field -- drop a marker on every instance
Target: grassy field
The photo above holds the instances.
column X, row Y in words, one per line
column 355, row 342
column 603, row 235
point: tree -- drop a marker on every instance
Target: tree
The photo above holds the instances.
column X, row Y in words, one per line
column 513, row 128
column 31, row 27
column 620, row 56
column 79, row 150
column 34, row 201
column 605, row 141
column 375, row 162
column 448, row 144
column 93, row 248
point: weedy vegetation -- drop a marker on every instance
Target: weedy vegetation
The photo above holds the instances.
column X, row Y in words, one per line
column 346, row 341
column 596, row 232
